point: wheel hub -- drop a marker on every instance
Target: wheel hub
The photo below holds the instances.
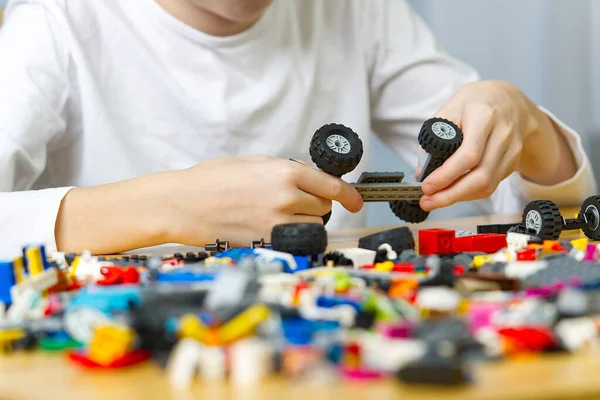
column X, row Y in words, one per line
column 533, row 221
column 443, row 130
column 339, row 144
column 593, row 217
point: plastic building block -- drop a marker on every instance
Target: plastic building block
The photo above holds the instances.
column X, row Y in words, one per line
column 185, row 275
column 133, row 358
column 574, row 333
column 243, row 324
column 436, row 241
column 109, row 343
column 385, row 187
column 435, row 369
column 217, row 247
column 399, row 239
column 438, row 299
column 359, row 257
column 117, row 276
column 495, row 228
column 7, row 280
column 251, row 361
column 487, row 243
column 527, row 339
column 260, row 244
column 231, row 288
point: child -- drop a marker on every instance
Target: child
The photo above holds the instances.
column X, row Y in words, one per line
column 130, row 123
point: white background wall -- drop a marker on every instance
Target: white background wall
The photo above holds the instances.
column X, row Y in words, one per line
column 548, row 48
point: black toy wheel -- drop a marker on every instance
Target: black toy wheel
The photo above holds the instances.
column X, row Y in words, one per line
column 299, row 239
column 336, row 149
column 543, row 217
column 408, row 211
column 399, row 238
column 440, row 138
column 591, row 209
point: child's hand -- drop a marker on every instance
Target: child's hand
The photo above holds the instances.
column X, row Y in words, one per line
column 503, row 132
column 239, row 199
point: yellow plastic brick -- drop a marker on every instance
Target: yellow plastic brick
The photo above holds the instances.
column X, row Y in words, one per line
column 580, row 244
column 244, row 323
column 19, row 270
column 7, row 337
column 190, row 326
column 110, row 342
column 385, row 266
column 478, row 261
column 35, row 264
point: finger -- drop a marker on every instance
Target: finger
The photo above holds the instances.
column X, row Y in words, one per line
column 308, row 204
column 329, row 187
column 419, row 165
column 301, row 162
column 480, row 182
column 477, row 124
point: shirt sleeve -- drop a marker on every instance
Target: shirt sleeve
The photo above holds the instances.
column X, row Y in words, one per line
column 412, row 77
column 33, row 94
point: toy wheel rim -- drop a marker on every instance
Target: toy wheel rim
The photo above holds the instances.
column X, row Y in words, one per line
column 443, row 130
column 594, row 222
column 533, row 220
column 338, row 143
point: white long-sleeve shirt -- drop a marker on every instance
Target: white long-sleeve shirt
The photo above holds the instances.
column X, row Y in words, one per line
column 96, row 91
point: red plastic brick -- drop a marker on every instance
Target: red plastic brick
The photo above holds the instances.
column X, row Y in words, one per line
column 436, row 241
column 527, row 255
column 487, row 243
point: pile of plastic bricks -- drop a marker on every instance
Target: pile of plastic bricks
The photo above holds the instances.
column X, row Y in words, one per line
column 419, row 315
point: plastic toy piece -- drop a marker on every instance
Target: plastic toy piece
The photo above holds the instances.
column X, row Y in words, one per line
column 243, row 324
column 436, row 241
column 487, row 243
column 251, row 361
column 183, row 363
column 260, row 244
column 439, row 138
column 133, row 358
column 444, row 241
column 7, row 280
column 399, row 239
column 117, row 275
column 434, row 369
column 386, row 186
column 494, row 228
column 336, row 149
column 301, row 239
column 544, row 218
column 110, row 343
column 217, row 247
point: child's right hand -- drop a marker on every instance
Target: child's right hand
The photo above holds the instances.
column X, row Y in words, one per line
column 238, row 199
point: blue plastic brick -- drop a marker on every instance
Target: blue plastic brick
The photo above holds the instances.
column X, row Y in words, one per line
column 329, row 302
column 184, row 276
column 235, row 254
column 107, row 299
column 7, row 281
column 302, row 263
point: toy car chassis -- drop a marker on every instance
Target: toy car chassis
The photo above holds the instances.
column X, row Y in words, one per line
column 337, row 150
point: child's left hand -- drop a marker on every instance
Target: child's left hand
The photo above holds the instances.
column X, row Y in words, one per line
column 503, row 132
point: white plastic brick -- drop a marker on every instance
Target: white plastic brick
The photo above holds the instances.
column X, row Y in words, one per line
column 359, row 256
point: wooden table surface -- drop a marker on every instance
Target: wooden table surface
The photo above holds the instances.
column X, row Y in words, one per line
column 50, row 376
